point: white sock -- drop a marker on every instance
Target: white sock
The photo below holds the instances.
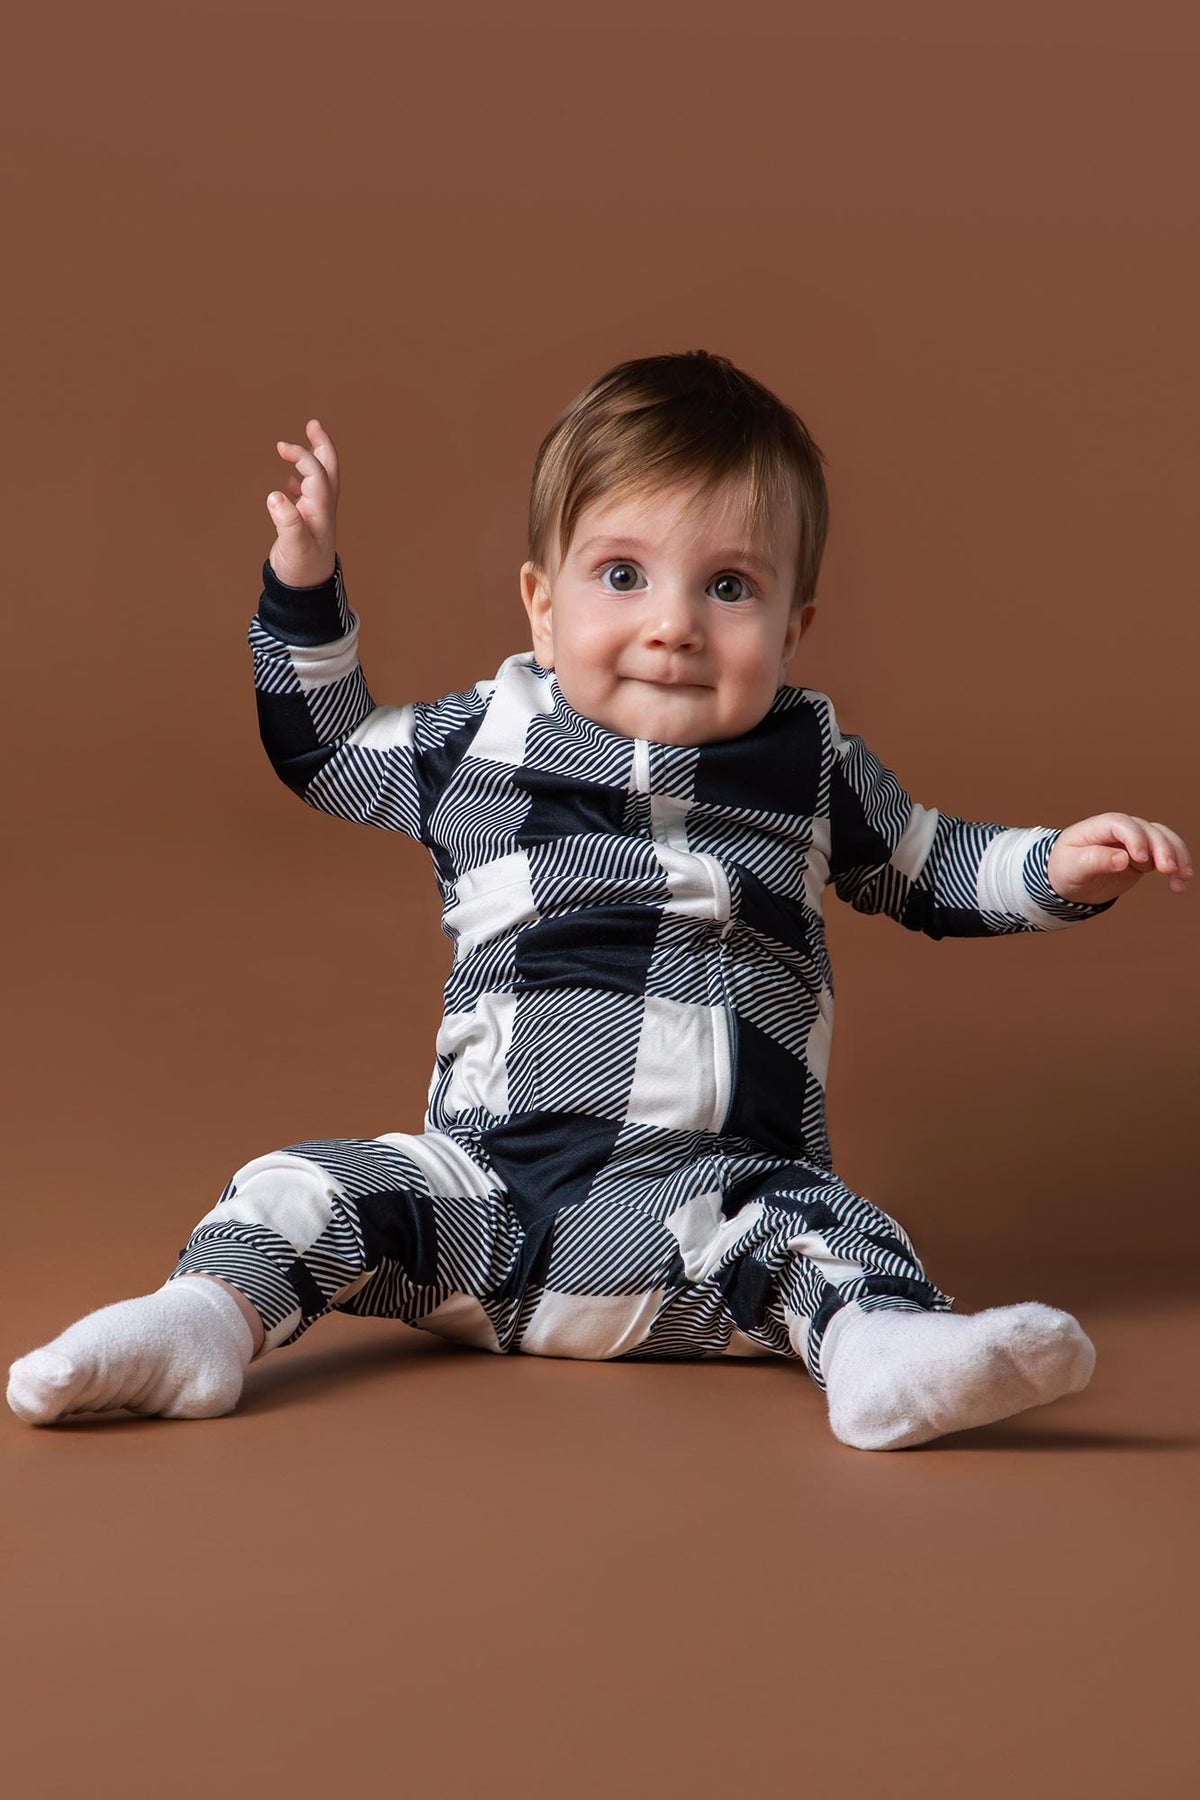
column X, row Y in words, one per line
column 181, row 1351
column 897, row 1378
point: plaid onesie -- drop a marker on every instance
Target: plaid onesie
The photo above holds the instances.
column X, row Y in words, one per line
column 624, row 1152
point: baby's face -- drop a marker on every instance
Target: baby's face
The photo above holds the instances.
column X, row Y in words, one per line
column 677, row 630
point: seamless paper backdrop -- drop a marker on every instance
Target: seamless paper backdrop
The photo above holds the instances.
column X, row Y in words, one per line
column 963, row 249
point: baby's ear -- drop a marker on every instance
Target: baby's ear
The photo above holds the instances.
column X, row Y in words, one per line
column 535, row 597
column 799, row 622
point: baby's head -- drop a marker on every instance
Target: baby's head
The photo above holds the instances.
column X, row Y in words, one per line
column 677, row 521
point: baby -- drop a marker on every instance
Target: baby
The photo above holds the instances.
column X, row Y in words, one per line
column 632, row 826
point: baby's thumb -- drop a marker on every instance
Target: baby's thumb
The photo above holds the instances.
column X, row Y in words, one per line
column 283, row 512
column 300, row 555
column 298, row 522
column 1099, row 861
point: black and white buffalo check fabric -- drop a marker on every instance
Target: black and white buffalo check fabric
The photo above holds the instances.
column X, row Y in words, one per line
column 625, row 1149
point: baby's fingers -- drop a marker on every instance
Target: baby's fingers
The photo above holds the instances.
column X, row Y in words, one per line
column 1149, row 847
column 320, row 462
column 1154, row 846
column 316, row 495
column 324, row 450
column 1170, row 855
column 304, row 459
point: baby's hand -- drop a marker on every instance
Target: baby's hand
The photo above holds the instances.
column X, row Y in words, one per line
column 1101, row 857
column 303, row 553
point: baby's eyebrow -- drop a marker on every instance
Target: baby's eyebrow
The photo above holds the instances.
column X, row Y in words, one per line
column 723, row 556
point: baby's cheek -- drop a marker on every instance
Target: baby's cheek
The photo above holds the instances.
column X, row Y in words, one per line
column 751, row 691
column 598, row 652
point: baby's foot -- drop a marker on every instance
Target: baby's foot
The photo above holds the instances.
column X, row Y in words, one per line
column 182, row 1351
column 899, row 1378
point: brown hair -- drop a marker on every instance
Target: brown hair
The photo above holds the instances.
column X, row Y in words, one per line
column 662, row 421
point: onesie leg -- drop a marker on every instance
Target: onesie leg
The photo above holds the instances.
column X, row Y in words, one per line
column 726, row 1253
column 839, row 1251
column 774, row 1251
column 402, row 1227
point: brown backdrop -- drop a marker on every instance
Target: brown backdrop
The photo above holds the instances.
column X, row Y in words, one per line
column 961, row 242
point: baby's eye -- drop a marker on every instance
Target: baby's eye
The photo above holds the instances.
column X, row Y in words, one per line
column 723, row 580
column 618, row 568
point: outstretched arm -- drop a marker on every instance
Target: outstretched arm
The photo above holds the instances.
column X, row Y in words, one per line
column 937, row 873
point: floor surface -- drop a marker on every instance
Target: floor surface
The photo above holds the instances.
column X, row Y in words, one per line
column 406, row 1567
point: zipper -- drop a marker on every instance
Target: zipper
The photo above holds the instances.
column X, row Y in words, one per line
column 720, row 882
column 728, row 1055
column 725, row 1043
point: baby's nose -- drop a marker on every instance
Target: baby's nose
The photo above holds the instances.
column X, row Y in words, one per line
column 674, row 622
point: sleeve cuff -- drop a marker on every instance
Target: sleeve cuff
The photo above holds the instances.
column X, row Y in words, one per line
column 1037, row 883
column 305, row 615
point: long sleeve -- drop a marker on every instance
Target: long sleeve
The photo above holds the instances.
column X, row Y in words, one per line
column 325, row 735
column 934, row 873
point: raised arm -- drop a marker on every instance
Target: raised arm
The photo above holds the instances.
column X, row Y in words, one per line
column 932, row 872
column 325, row 735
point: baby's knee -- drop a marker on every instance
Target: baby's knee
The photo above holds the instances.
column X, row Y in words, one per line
column 287, row 1193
